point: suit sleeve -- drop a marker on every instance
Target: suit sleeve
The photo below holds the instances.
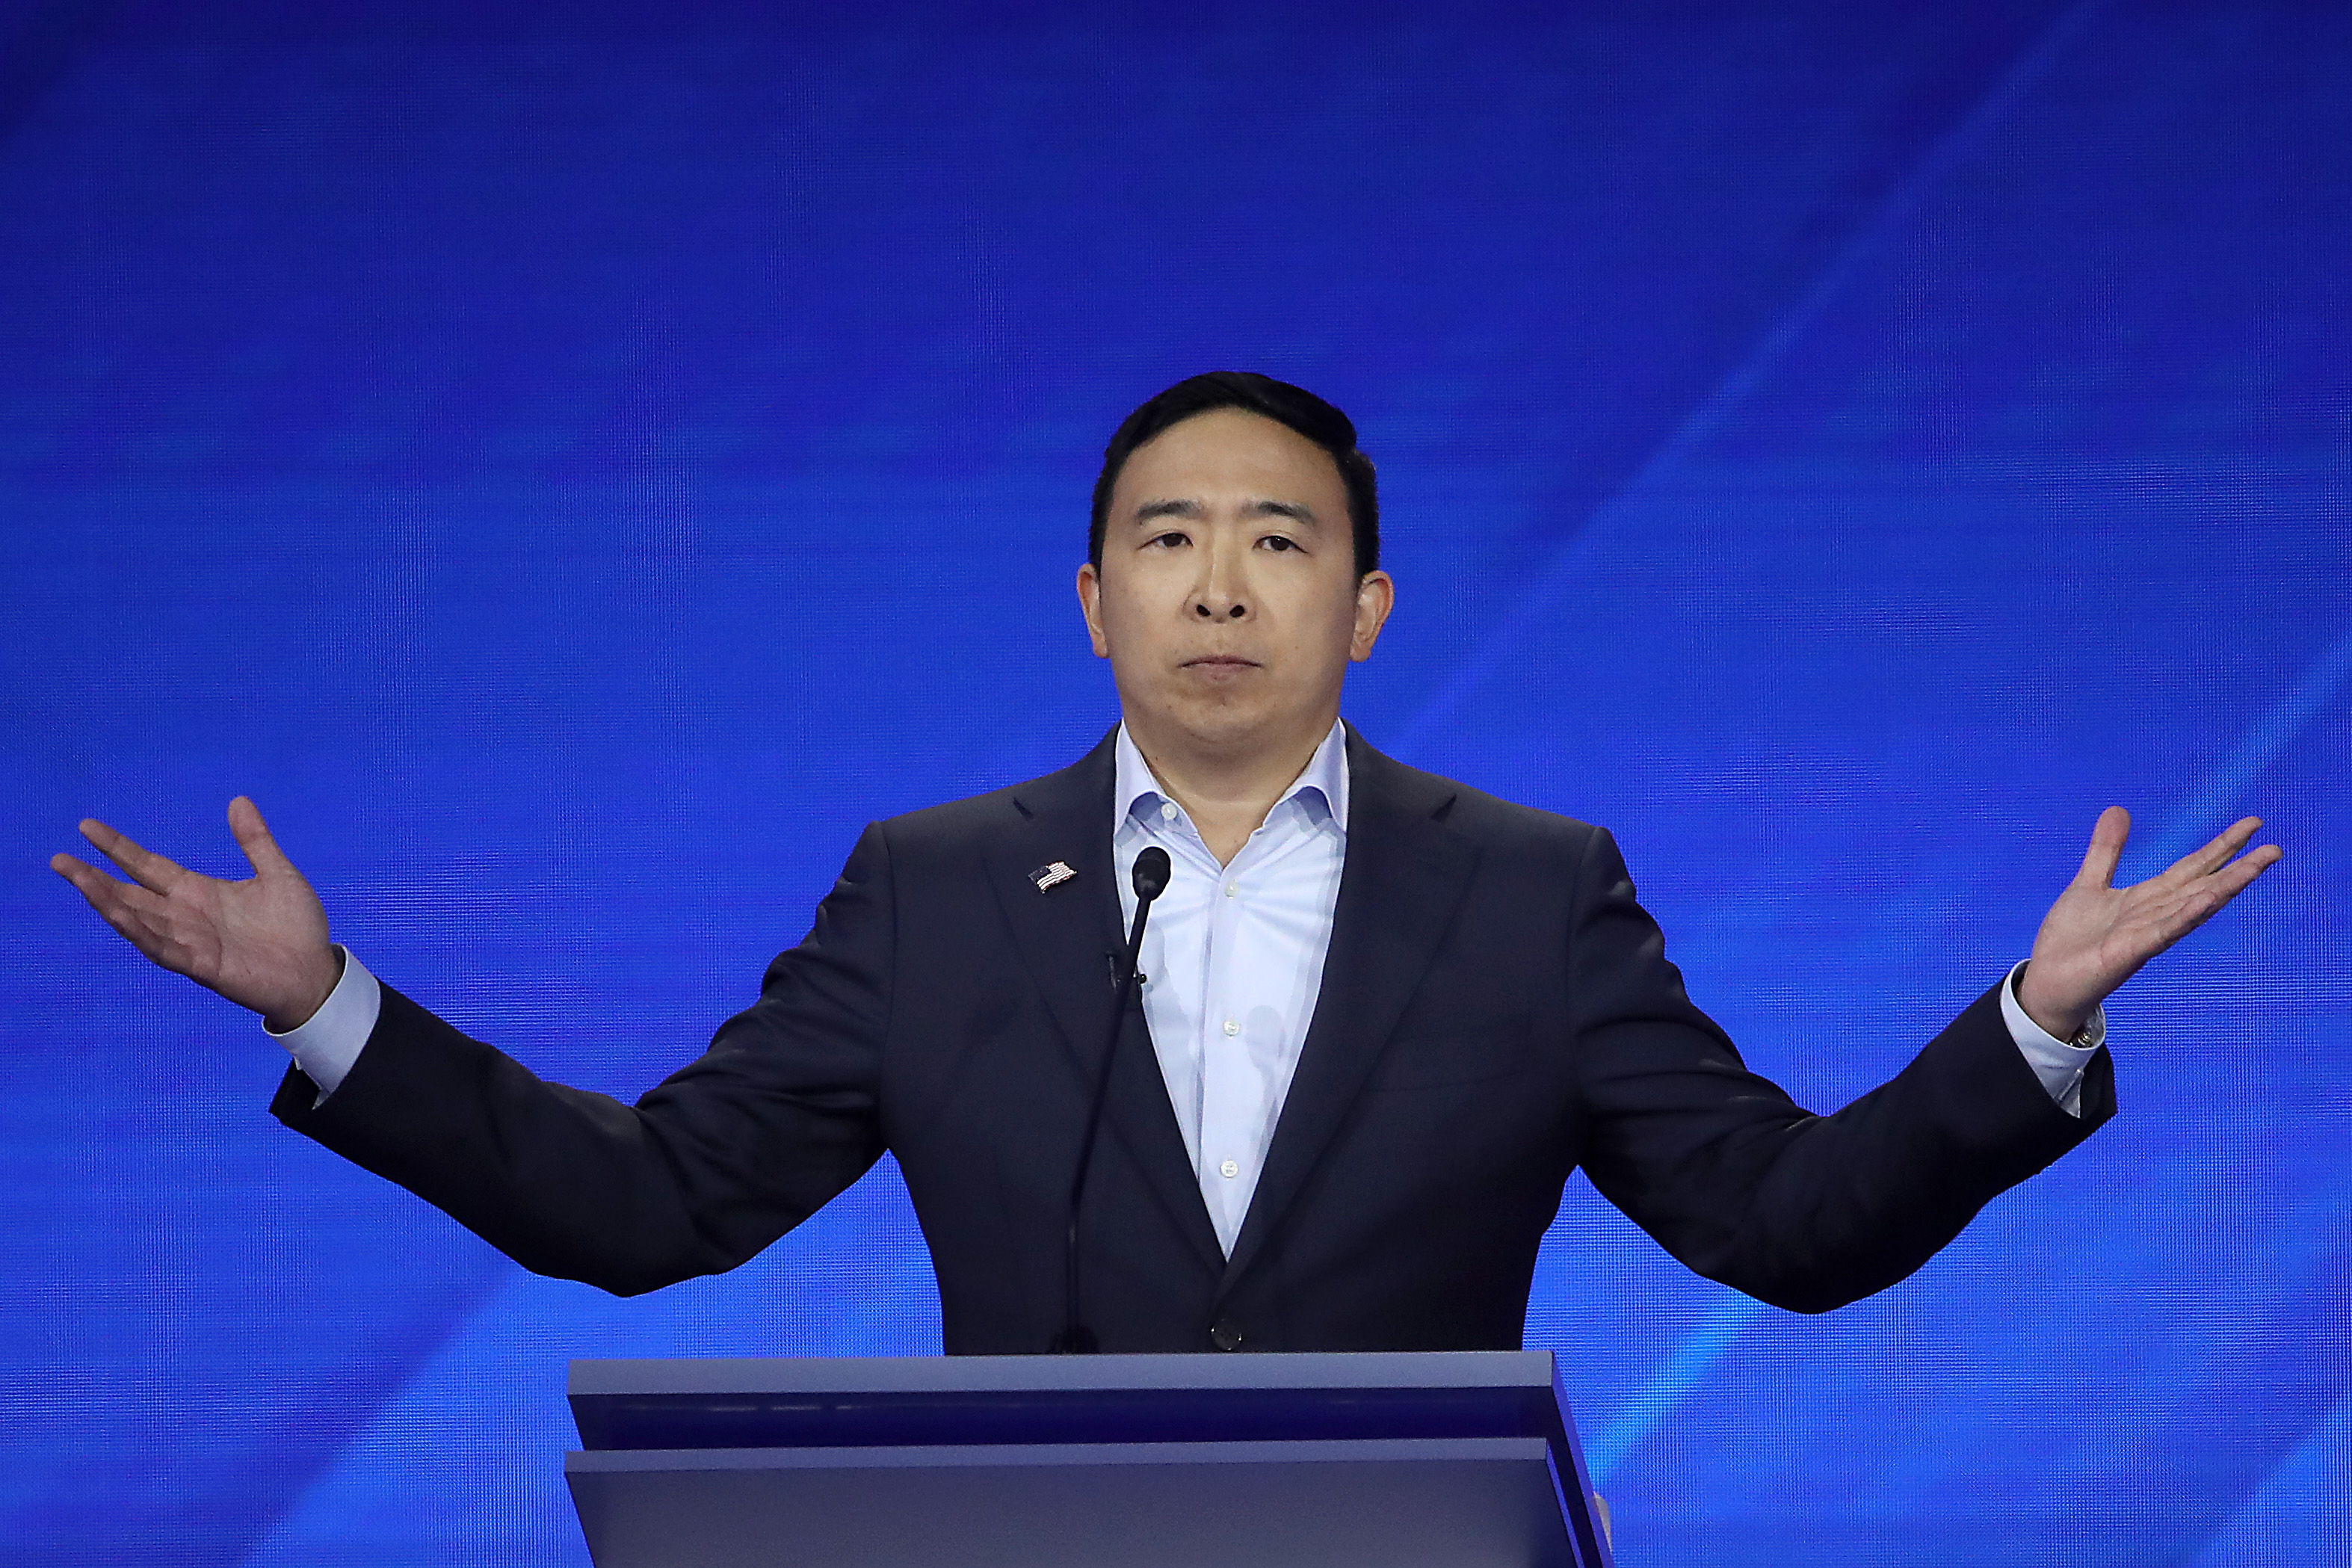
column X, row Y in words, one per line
column 709, row 1167
column 1747, row 1187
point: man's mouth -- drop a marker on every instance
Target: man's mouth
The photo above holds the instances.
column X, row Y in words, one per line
column 1219, row 667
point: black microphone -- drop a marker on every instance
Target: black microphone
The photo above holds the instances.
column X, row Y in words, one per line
column 1150, row 877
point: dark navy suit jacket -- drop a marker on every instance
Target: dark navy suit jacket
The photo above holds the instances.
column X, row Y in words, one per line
column 1495, row 1010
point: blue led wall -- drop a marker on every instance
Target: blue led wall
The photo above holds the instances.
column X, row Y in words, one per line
column 575, row 464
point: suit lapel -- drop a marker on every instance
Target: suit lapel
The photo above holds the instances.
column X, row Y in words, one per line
column 1405, row 872
column 1063, row 935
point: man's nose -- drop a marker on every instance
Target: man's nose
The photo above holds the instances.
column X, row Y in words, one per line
column 1221, row 597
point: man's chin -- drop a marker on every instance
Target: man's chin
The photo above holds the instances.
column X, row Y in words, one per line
column 1229, row 720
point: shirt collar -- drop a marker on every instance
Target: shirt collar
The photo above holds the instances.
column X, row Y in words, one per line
column 1323, row 782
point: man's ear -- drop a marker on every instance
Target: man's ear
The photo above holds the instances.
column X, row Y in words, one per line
column 1090, row 604
column 1375, row 598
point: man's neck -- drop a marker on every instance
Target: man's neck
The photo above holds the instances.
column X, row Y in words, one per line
column 1228, row 789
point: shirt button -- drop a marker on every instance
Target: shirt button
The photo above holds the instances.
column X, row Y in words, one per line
column 1230, row 1169
column 1233, row 889
column 1167, row 810
column 1232, row 1027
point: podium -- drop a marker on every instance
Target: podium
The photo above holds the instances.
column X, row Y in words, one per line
column 1463, row 1458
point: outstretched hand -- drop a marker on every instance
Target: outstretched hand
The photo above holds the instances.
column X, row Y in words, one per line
column 261, row 942
column 2098, row 935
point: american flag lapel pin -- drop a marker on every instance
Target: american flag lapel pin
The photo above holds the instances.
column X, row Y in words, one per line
column 1050, row 877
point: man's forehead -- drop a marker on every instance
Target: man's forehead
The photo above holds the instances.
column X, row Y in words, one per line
column 1224, row 456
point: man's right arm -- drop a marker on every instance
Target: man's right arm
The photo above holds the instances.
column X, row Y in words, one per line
column 326, row 1046
column 780, row 1114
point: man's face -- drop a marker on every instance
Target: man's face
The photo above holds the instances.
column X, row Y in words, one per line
column 1228, row 602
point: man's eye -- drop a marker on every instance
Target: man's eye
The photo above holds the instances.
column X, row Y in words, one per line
column 1165, row 541
column 1278, row 543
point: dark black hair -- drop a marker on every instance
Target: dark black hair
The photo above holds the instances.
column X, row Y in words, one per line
column 1279, row 401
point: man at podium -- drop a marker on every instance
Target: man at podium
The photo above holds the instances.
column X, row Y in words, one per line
column 1382, row 1015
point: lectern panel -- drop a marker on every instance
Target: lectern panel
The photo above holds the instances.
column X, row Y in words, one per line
column 1467, row 1503
column 1468, row 1459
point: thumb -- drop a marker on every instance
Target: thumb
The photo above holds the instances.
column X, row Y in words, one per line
column 2099, row 868
column 253, row 837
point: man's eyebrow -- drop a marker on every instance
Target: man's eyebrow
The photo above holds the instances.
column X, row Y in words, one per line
column 1297, row 512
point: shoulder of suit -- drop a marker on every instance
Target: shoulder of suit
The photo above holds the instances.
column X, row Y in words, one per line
column 1470, row 810
column 957, row 823
column 955, row 819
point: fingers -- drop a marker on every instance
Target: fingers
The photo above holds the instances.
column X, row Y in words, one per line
column 2098, row 869
column 145, row 867
column 134, row 911
column 253, row 837
column 2239, row 875
column 2217, row 853
column 2188, row 904
column 88, row 881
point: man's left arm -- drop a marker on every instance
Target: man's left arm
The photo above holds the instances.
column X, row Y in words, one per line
column 2098, row 935
column 1810, row 1211
column 2059, row 1064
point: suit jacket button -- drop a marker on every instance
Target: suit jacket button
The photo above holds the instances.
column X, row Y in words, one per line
column 1225, row 1334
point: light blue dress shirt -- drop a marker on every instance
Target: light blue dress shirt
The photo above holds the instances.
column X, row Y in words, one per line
column 1233, row 958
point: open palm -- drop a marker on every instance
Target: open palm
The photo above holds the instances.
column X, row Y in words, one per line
column 261, row 942
column 2098, row 935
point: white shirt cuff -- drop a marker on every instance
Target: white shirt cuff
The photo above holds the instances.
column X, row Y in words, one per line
column 2058, row 1063
column 326, row 1046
